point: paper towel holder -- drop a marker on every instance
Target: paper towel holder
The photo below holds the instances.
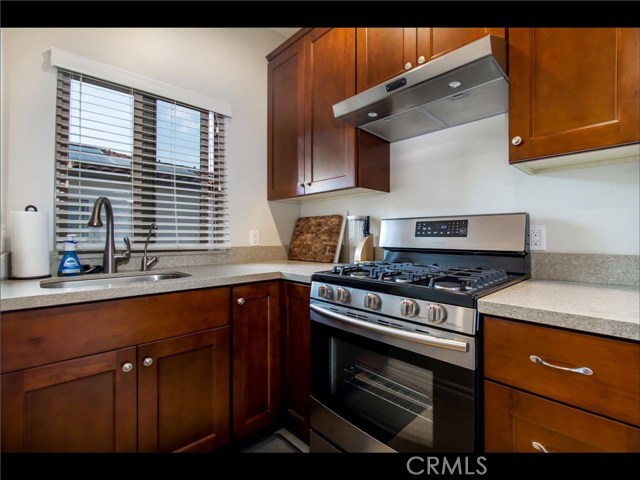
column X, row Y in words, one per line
column 23, row 255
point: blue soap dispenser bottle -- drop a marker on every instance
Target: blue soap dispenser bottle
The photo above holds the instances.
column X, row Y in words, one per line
column 70, row 263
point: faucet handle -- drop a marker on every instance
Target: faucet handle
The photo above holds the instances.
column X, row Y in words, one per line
column 119, row 258
column 128, row 244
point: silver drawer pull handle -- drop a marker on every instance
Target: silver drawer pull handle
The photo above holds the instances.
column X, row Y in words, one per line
column 581, row 370
column 539, row 447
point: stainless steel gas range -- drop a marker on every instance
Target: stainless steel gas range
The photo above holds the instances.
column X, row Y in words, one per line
column 395, row 343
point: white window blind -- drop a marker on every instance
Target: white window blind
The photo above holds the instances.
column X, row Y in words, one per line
column 157, row 160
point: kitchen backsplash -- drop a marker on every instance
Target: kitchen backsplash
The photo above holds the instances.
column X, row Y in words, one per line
column 579, row 267
column 584, row 267
column 188, row 259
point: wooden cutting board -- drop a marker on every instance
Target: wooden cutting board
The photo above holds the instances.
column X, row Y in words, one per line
column 317, row 239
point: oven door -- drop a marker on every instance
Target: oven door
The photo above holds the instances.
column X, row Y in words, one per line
column 376, row 391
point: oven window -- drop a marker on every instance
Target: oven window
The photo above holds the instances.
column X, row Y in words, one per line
column 393, row 397
column 406, row 400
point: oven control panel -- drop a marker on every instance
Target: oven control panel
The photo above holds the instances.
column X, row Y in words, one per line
column 446, row 228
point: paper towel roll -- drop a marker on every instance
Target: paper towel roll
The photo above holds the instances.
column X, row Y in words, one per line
column 29, row 244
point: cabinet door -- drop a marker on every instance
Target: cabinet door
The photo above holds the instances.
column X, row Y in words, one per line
column 572, row 90
column 383, row 53
column 183, row 397
column 256, row 357
column 286, row 124
column 82, row 405
column 519, row 422
column 435, row 42
column 330, row 144
column 295, row 356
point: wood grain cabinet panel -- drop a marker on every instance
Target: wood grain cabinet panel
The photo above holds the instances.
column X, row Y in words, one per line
column 184, row 393
column 516, row 421
column 166, row 389
column 46, row 335
column 572, row 90
column 286, row 124
column 383, row 53
column 256, row 357
column 82, row 405
column 310, row 151
column 296, row 361
column 613, row 389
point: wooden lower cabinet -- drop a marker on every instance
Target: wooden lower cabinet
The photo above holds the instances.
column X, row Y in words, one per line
column 516, row 421
column 183, row 393
column 256, row 357
column 296, row 360
column 165, row 396
column 82, row 405
column 144, row 374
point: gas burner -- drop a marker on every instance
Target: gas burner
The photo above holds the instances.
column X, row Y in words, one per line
column 450, row 286
column 359, row 274
column 402, row 279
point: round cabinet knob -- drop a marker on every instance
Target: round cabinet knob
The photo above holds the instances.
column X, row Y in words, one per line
column 147, row 362
column 127, row 367
column 240, row 301
column 372, row 301
column 409, row 308
column 421, row 59
column 302, row 184
column 308, row 184
column 343, row 295
column 516, row 141
column 408, row 66
column 436, row 313
column 325, row 291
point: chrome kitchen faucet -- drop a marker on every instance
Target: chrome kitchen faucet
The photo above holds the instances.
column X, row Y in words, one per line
column 110, row 257
column 147, row 263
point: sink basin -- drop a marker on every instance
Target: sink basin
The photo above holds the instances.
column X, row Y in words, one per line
column 113, row 281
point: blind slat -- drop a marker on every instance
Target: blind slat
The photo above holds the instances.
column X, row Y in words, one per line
column 156, row 159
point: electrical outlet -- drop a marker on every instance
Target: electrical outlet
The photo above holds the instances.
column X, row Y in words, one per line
column 254, row 237
column 537, row 237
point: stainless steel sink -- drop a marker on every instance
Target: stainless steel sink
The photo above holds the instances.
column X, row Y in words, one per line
column 111, row 281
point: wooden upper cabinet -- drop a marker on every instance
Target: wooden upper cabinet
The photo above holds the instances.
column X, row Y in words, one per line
column 383, row 53
column 286, row 124
column 330, row 143
column 572, row 90
column 310, row 151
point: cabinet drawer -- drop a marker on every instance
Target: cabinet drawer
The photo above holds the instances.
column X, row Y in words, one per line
column 613, row 389
column 516, row 421
column 46, row 335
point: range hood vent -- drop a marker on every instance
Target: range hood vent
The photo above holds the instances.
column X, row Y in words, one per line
column 463, row 86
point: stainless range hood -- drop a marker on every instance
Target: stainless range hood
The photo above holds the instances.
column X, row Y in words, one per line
column 463, row 86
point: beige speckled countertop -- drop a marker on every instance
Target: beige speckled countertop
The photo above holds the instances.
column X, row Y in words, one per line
column 586, row 307
column 25, row 294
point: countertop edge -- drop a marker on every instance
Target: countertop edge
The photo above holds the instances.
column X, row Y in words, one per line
column 200, row 280
column 578, row 323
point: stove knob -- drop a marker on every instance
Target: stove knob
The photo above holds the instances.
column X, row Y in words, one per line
column 343, row 295
column 409, row 308
column 325, row 291
column 436, row 313
column 372, row 301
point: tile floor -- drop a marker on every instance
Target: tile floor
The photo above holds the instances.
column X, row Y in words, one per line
column 280, row 441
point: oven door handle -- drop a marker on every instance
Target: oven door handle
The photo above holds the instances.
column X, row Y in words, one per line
column 422, row 338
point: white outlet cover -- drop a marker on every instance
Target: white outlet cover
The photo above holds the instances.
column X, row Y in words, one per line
column 541, row 244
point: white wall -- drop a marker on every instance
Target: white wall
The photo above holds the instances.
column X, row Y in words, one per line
column 465, row 170
column 226, row 64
